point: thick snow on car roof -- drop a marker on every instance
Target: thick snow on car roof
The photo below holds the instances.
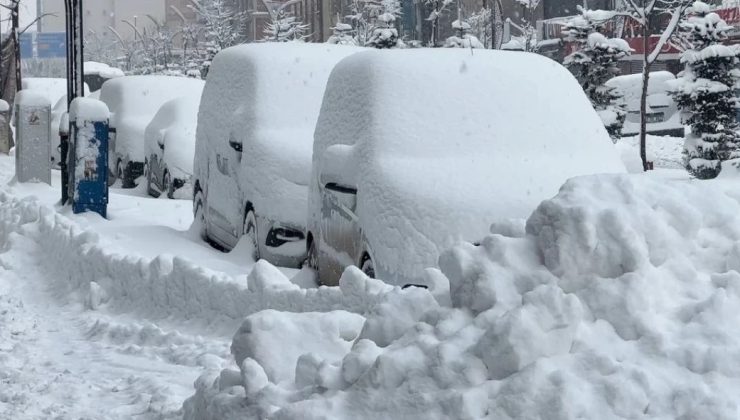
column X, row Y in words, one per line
column 133, row 101
column 174, row 124
column 267, row 96
column 53, row 88
column 449, row 142
column 630, row 85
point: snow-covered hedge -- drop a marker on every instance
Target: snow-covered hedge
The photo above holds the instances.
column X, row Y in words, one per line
column 618, row 300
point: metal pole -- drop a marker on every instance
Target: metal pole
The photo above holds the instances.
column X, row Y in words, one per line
column 16, row 44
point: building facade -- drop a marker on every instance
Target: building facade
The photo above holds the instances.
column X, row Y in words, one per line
column 100, row 16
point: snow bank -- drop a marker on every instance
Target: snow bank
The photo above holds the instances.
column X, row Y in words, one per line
column 165, row 286
column 329, row 335
column 618, row 301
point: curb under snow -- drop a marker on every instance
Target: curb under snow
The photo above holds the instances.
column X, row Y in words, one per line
column 164, row 286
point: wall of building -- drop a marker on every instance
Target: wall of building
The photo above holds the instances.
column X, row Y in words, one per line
column 100, row 15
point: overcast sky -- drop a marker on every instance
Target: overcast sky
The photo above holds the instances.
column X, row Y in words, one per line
column 28, row 12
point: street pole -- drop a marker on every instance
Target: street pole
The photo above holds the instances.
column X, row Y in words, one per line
column 16, row 43
column 75, row 82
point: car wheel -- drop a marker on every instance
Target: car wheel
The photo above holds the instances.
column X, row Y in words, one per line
column 368, row 267
column 148, row 176
column 312, row 256
column 199, row 214
column 250, row 231
column 167, row 185
column 111, row 175
column 119, row 170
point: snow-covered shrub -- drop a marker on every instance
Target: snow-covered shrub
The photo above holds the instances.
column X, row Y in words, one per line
column 462, row 38
column 594, row 62
column 705, row 93
column 342, row 35
column 385, row 33
column 284, row 27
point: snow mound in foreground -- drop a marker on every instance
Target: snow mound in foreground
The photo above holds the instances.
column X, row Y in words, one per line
column 617, row 301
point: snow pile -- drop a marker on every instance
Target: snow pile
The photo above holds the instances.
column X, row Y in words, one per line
column 618, row 301
column 164, row 286
column 86, row 109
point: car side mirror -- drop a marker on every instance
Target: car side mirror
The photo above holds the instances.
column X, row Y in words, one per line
column 236, row 145
column 346, row 196
column 337, row 168
column 160, row 144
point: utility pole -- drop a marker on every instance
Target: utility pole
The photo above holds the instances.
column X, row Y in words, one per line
column 14, row 19
column 75, row 82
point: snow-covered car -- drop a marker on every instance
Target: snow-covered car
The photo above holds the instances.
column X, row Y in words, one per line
column 96, row 74
column 170, row 146
column 133, row 101
column 663, row 117
column 254, row 142
column 417, row 150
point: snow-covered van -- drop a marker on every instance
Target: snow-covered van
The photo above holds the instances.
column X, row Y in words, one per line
column 253, row 145
column 417, row 150
column 133, row 101
column 663, row 117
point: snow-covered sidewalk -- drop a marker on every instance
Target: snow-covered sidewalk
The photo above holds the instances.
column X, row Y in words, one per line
column 117, row 318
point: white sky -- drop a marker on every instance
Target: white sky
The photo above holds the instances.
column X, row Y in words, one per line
column 28, row 12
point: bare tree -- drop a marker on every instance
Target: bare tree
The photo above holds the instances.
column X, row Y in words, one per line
column 646, row 13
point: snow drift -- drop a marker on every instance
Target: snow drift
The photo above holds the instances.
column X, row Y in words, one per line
column 617, row 300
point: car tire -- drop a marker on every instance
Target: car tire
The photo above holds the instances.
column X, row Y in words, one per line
column 167, row 186
column 148, row 176
column 368, row 267
column 250, row 230
column 119, row 171
column 199, row 214
column 312, row 256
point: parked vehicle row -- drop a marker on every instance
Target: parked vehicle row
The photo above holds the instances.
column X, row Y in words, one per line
column 336, row 157
column 132, row 101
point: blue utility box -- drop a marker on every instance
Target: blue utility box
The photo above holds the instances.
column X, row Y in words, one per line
column 89, row 172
